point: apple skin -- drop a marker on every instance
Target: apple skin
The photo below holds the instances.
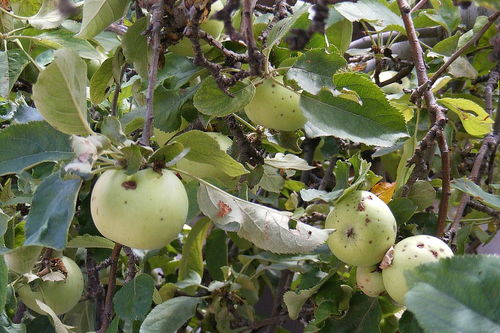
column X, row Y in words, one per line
column 60, row 296
column 408, row 254
column 22, row 259
column 393, row 88
column 204, row 170
column 145, row 210
column 369, row 280
column 212, row 27
column 365, row 229
column 276, row 107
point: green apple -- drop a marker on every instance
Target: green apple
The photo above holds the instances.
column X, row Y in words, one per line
column 408, row 254
column 92, row 67
column 210, row 26
column 145, row 210
column 275, row 106
column 22, row 259
column 393, row 88
column 60, row 296
column 204, row 170
column 369, row 280
column 365, row 229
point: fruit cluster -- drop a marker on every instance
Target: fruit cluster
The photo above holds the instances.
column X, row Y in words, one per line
column 365, row 235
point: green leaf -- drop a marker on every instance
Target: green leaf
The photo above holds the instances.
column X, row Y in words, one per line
column 99, row 14
column 340, row 40
column 375, row 122
column 402, row 209
column 374, row 12
column 458, row 294
column 295, row 300
column 166, row 109
column 52, row 211
column 179, row 71
column 133, row 300
column 476, row 121
column 25, row 7
column 61, row 38
column 216, row 253
column 205, row 149
column 135, row 47
column 282, row 27
column 409, row 324
column 26, row 145
column 60, row 93
column 90, row 241
column 209, row 99
column 363, row 317
column 422, row 194
column 18, row 60
column 169, row 316
column 476, row 192
column 314, row 70
column 265, row 227
column 192, row 251
column 49, row 16
column 101, row 81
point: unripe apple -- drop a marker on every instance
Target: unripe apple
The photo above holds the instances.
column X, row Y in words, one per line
column 365, row 229
column 92, row 67
column 395, row 87
column 145, row 210
column 204, row 170
column 369, row 280
column 408, row 254
column 60, row 296
column 210, row 26
column 275, row 106
column 22, row 259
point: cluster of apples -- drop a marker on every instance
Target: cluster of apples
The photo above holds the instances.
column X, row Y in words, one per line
column 365, row 234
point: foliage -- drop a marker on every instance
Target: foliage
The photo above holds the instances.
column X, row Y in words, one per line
column 89, row 86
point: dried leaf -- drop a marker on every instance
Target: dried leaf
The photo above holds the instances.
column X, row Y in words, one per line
column 384, row 191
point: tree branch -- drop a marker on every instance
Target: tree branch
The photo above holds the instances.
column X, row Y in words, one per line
column 108, row 304
column 491, row 19
column 283, row 285
column 18, row 316
column 437, row 111
column 153, row 71
column 118, row 89
column 131, row 266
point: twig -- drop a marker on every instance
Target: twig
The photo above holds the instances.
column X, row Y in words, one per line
column 95, row 290
column 489, row 144
column 118, row 89
column 328, row 177
column 491, row 85
column 419, row 5
column 255, row 57
column 485, row 209
column 309, row 145
column 247, row 151
column 397, row 78
column 18, row 316
column 438, row 112
column 153, row 71
column 131, row 266
column 283, row 285
column 108, row 304
column 491, row 19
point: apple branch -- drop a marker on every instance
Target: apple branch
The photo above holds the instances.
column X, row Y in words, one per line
column 491, row 19
column 153, row 71
column 438, row 112
column 108, row 304
column 489, row 145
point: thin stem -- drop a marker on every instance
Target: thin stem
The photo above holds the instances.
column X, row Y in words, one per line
column 283, row 285
column 118, row 89
column 108, row 304
column 131, row 266
column 419, row 5
column 460, row 51
column 153, row 72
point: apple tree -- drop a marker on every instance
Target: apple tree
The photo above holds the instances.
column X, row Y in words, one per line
column 249, row 166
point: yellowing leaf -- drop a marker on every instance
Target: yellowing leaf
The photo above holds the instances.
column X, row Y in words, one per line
column 405, row 110
column 384, row 191
column 475, row 120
